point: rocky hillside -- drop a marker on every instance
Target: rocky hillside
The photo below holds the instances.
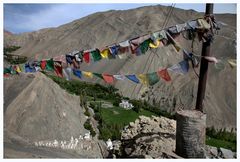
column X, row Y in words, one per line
column 104, row 28
column 37, row 109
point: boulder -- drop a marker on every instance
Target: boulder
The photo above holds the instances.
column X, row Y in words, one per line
column 225, row 153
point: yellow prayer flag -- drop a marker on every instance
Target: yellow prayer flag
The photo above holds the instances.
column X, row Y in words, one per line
column 87, row 74
column 143, row 78
column 152, row 45
column 18, row 69
column 232, row 63
column 104, row 53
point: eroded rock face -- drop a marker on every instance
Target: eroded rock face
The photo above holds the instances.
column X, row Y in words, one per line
column 149, row 136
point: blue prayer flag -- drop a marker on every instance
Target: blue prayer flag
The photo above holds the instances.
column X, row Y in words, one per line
column 78, row 73
column 133, row 78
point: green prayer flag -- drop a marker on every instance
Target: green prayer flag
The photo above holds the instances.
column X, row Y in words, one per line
column 96, row 55
column 144, row 46
column 22, row 67
column 152, row 78
column 98, row 75
column 50, row 65
column 7, row 70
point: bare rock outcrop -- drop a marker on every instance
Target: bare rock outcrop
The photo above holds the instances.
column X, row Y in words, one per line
column 149, row 136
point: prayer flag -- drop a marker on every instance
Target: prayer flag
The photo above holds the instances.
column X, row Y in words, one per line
column 87, row 74
column 182, row 67
column 155, row 45
column 58, row 69
column 143, row 78
column 43, row 64
column 108, row 78
column 78, row 73
column 211, row 59
column 105, row 53
column 50, row 65
column 119, row 77
column 164, row 75
column 7, row 70
column 152, row 78
column 98, row 75
column 67, row 73
column 144, row 46
column 96, row 55
column 132, row 78
column 124, row 47
column 28, row 69
column 22, row 67
column 86, row 57
column 18, row 70
column 114, row 50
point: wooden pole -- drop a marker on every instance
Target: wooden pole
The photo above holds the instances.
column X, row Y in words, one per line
column 191, row 124
column 204, row 66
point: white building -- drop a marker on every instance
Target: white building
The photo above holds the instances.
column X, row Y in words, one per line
column 126, row 105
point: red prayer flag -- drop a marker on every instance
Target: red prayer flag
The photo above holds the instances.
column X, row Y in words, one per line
column 86, row 57
column 58, row 69
column 164, row 74
column 43, row 64
column 6, row 75
column 108, row 78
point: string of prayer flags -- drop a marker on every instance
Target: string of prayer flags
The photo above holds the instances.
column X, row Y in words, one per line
column 152, row 78
column 133, row 78
column 119, row 77
column 164, row 75
column 232, row 63
column 108, row 78
column 78, row 73
column 87, row 74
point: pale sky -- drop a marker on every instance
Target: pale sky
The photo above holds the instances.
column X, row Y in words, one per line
column 22, row 17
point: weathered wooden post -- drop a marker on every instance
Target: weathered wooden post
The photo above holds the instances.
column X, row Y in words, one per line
column 191, row 124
